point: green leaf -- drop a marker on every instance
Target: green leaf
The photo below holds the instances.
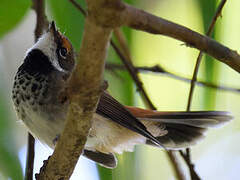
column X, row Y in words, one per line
column 11, row 13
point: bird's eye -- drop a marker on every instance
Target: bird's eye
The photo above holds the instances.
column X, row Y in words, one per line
column 63, row 52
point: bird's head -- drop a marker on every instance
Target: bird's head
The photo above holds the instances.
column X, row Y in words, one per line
column 53, row 47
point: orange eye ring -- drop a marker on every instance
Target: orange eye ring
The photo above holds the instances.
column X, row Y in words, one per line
column 66, row 44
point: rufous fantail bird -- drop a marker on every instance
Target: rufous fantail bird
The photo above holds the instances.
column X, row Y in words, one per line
column 116, row 128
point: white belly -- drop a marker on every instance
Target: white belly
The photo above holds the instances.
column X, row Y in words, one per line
column 105, row 136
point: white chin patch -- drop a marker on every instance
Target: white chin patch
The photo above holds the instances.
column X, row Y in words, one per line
column 48, row 46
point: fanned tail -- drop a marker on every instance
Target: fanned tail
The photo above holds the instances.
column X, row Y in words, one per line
column 183, row 129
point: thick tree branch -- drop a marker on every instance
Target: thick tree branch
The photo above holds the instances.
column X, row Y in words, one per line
column 84, row 92
column 141, row 20
column 144, row 21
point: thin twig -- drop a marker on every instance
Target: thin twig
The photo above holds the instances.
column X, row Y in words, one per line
column 144, row 21
column 78, row 7
column 176, row 165
column 158, row 69
column 193, row 82
column 210, row 29
column 127, row 61
column 38, row 6
column 30, row 158
column 134, row 74
column 194, row 175
column 123, row 42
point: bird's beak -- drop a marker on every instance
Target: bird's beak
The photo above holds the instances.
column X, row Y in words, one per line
column 52, row 27
column 56, row 34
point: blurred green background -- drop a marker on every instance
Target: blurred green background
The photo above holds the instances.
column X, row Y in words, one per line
column 217, row 157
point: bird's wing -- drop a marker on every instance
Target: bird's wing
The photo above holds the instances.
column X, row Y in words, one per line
column 110, row 108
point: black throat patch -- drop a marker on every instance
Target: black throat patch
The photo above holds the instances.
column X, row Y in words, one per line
column 36, row 63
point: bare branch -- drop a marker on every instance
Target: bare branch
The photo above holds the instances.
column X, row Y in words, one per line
column 141, row 20
column 194, row 175
column 210, row 29
column 78, row 7
column 30, row 158
column 194, row 78
column 158, row 68
column 134, row 74
column 161, row 70
column 122, row 43
column 176, row 165
column 126, row 60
